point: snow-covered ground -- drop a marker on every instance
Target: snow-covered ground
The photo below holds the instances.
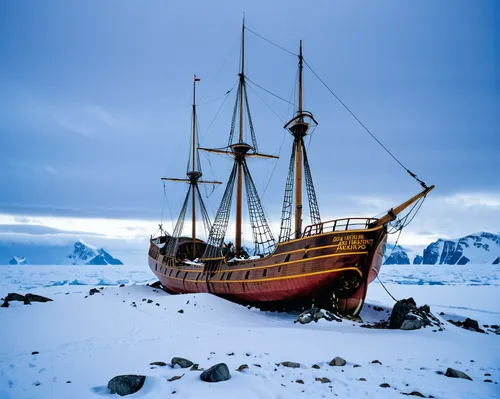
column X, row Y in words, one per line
column 87, row 340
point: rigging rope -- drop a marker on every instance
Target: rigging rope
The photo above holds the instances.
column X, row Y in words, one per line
column 364, row 127
column 270, row 42
column 269, row 92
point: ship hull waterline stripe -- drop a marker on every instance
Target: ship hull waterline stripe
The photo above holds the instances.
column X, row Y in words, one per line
column 267, row 266
column 265, row 279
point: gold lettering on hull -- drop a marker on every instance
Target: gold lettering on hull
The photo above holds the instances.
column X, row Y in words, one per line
column 352, row 242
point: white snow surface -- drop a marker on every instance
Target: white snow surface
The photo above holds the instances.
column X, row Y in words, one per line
column 90, row 339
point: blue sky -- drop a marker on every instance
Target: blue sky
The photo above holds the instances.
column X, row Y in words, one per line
column 95, row 106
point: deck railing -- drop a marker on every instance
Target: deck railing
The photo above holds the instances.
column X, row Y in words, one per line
column 338, row 225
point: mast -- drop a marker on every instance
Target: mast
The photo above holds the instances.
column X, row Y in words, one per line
column 298, row 160
column 239, row 182
column 193, row 178
column 299, row 173
column 239, row 150
column 193, row 196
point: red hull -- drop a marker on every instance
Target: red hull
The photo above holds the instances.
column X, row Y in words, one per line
column 313, row 268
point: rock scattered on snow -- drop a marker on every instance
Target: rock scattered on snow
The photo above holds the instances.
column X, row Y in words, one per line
column 149, row 301
column 175, row 377
column 26, row 299
column 35, row 353
column 94, row 291
column 315, row 314
column 406, row 315
column 362, row 379
column 217, row 373
column 323, row 380
column 376, row 362
column 315, row 366
column 180, row 311
column 299, row 381
column 453, row 373
column 242, row 367
column 183, row 363
column 196, row 367
column 468, row 324
column 126, row 384
column 337, row 361
column 292, row 365
column 385, row 385
column 161, row 364
column 37, row 298
column 414, row 393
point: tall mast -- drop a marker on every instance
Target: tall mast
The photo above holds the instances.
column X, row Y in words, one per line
column 193, row 178
column 299, row 170
column 239, row 182
column 193, row 170
column 298, row 160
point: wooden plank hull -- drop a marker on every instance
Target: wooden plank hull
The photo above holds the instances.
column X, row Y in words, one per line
column 330, row 270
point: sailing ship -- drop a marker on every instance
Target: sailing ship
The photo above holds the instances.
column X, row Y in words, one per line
column 328, row 264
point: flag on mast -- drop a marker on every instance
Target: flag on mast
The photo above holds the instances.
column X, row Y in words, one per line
column 196, row 79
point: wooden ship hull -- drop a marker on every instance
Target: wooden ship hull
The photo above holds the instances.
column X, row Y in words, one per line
column 330, row 267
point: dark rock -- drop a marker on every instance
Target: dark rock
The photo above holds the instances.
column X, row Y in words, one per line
column 315, row 366
column 257, row 365
column 453, row 373
column 362, row 379
column 230, row 354
column 242, row 367
column 122, row 285
column 488, row 381
column 323, row 380
column 126, row 384
column 157, row 304
column 161, row 364
column 37, row 298
column 487, row 375
column 414, row 393
column 15, row 297
column 94, row 291
column 180, row 311
column 149, row 301
column 183, row 363
column 299, row 381
column 376, row 362
column 5, row 304
column 196, row 367
column 292, row 365
column 337, row 361
column 471, row 324
column 35, row 353
column 68, row 382
column 175, row 377
column 385, row 385
column 468, row 324
column 217, row 373
column 400, row 312
column 356, row 365
column 439, row 372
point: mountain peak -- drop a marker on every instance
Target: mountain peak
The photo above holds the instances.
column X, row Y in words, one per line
column 482, row 247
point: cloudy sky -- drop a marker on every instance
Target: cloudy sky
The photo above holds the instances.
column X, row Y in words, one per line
column 95, row 107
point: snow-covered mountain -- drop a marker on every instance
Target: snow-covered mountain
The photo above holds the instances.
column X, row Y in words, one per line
column 79, row 253
column 475, row 248
column 18, row 260
column 396, row 255
column 84, row 254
